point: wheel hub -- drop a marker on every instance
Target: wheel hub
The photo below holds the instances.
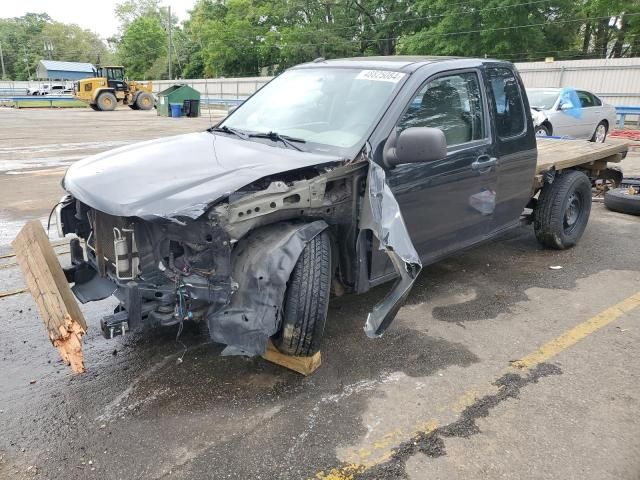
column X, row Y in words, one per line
column 572, row 212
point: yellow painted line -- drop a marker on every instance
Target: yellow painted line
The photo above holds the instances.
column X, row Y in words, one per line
column 577, row 333
column 550, row 349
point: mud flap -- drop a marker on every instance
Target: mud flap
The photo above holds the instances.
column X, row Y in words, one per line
column 381, row 214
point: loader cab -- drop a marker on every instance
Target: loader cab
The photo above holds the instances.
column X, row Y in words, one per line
column 114, row 76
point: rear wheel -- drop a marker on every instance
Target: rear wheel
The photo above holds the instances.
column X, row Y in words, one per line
column 562, row 211
column 144, row 101
column 306, row 300
column 106, row 102
column 600, row 135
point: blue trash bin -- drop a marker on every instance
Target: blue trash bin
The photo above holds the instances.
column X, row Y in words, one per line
column 176, row 110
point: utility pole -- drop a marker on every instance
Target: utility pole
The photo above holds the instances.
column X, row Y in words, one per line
column 169, row 52
column 48, row 47
column 4, row 75
column 26, row 61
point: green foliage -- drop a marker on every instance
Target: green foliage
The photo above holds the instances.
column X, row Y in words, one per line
column 256, row 37
column 142, row 43
column 23, row 39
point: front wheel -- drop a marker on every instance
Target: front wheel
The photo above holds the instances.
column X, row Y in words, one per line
column 600, row 135
column 306, row 300
column 562, row 210
column 144, row 101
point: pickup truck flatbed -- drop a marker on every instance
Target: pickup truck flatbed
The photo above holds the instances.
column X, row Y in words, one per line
column 334, row 177
column 560, row 154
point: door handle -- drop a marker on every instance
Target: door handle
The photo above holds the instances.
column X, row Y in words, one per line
column 483, row 163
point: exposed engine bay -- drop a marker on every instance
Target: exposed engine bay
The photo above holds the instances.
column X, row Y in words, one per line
column 172, row 270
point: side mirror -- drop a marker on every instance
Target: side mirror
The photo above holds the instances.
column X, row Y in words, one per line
column 414, row 145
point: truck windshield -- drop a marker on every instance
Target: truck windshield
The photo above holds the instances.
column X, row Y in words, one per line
column 542, row 99
column 331, row 109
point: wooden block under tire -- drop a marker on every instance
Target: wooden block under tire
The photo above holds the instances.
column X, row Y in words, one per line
column 303, row 365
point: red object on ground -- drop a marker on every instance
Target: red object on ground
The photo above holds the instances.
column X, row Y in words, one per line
column 633, row 135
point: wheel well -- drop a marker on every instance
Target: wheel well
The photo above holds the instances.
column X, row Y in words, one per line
column 547, row 124
column 605, row 122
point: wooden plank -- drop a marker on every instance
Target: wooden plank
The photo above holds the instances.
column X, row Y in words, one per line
column 304, row 365
column 56, row 304
column 570, row 153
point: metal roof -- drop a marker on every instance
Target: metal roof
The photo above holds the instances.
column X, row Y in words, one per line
column 67, row 66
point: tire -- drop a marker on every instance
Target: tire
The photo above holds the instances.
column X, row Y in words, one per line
column 542, row 131
column 144, row 101
column 306, row 300
column 562, row 210
column 609, row 177
column 600, row 134
column 106, row 102
column 630, row 182
column 619, row 200
column 94, row 107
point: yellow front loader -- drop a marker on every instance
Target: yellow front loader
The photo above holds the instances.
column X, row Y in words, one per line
column 109, row 87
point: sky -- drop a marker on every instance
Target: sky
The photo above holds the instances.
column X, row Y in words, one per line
column 95, row 16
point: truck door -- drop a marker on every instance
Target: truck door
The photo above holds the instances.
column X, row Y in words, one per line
column 449, row 203
column 515, row 146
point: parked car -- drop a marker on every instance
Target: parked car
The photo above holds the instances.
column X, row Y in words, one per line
column 335, row 177
column 47, row 89
column 572, row 113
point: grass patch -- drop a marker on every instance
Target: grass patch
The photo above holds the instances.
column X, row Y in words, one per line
column 52, row 103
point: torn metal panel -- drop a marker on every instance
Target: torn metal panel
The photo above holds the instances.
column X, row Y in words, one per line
column 381, row 214
column 262, row 263
column 178, row 176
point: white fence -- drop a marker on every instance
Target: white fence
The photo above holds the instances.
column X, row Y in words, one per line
column 616, row 80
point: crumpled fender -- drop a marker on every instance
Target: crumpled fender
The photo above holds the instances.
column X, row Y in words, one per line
column 381, row 214
column 262, row 264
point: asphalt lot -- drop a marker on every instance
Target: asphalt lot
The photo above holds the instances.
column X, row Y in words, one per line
column 438, row 397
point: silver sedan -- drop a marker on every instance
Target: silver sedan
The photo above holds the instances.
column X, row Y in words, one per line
column 566, row 112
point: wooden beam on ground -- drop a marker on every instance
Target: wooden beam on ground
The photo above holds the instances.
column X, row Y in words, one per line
column 45, row 280
column 304, row 365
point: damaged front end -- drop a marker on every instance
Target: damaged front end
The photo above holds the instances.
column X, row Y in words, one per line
column 230, row 267
column 162, row 273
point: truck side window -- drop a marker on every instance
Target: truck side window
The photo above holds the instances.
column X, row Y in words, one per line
column 510, row 117
column 453, row 104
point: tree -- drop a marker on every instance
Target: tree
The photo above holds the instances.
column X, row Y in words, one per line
column 142, row 43
column 23, row 40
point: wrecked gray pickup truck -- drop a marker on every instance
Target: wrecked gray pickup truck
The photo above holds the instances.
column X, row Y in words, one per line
column 333, row 178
